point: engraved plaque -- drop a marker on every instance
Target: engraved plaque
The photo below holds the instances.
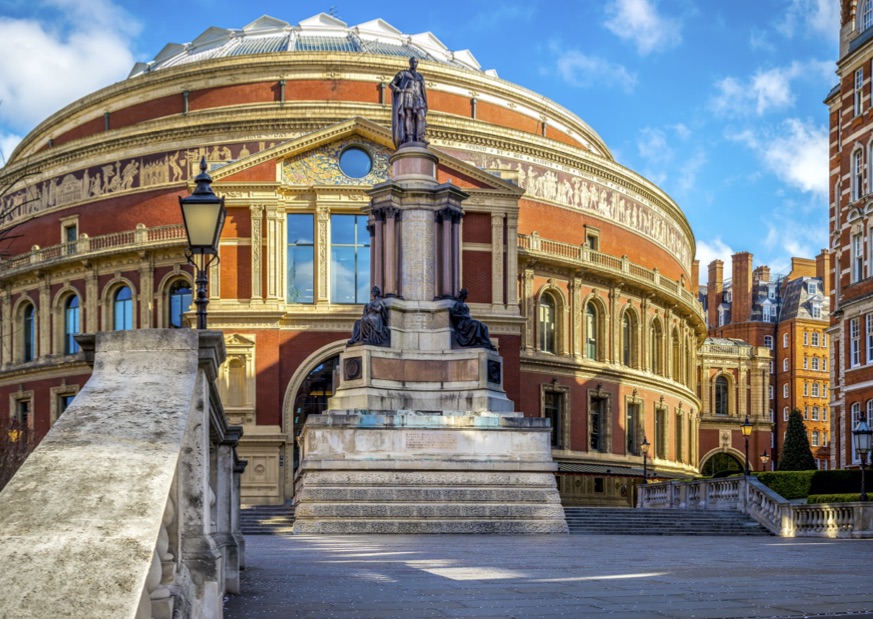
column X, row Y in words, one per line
column 431, row 440
column 493, row 371
column 352, row 368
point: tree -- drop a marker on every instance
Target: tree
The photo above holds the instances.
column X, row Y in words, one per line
column 16, row 443
column 796, row 454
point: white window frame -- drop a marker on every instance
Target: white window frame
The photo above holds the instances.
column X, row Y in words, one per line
column 805, row 362
column 857, row 258
column 785, row 365
column 805, row 388
column 771, row 392
column 816, row 413
column 768, row 341
column 858, row 99
column 854, row 342
column 784, row 340
column 785, row 413
column 815, row 363
column 815, row 390
column 806, row 338
column 784, row 391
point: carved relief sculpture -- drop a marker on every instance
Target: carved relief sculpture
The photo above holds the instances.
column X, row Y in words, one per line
column 372, row 327
column 408, row 106
column 467, row 332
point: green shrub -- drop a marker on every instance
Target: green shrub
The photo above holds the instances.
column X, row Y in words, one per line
column 796, row 454
column 840, row 482
column 788, row 484
column 833, row 498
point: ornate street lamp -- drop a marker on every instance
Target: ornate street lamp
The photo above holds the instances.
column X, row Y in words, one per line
column 747, row 431
column 765, row 458
column 203, row 214
column 644, row 448
column 863, row 435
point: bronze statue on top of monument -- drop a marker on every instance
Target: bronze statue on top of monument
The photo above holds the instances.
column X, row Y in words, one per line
column 408, row 106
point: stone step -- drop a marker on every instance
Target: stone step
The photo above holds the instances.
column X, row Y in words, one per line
column 267, row 519
column 628, row 521
column 409, row 494
column 460, row 511
column 427, row 526
column 415, row 478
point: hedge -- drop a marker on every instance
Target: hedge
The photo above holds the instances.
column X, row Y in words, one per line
column 840, row 482
column 788, row 484
column 833, row 498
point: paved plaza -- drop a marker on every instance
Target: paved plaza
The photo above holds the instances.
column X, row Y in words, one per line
column 528, row 577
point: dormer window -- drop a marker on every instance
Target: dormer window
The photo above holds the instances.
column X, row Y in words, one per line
column 766, row 312
column 727, row 296
column 812, row 287
column 816, row 310
column 771, row 292
column 721, row 317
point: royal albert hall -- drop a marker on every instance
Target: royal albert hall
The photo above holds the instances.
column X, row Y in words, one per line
column 582, row 269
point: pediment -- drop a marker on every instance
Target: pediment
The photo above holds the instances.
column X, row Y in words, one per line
column 264, row 24
column 237, row 340
column 312, row 160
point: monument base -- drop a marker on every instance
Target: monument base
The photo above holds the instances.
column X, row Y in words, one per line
column 416, row 472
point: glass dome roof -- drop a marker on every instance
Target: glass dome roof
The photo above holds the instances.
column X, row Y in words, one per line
column 321, row 33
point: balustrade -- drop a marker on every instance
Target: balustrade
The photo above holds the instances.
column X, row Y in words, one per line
column 780, row 516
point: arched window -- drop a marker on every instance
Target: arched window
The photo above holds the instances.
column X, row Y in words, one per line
column 179, row 302
column 71, row 325
column 721, row 462
column 548, row 313
column 592, row 332
column 857, row 174
column 29, row 333
column 657, row 347
column 629, row 339
column 721, row 396
column 676, row 358
column 866, row 14
column 122, row 309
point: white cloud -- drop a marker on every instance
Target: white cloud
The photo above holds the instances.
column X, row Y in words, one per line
column 661, row 148
column 795, row 151
column 8, row 142
column 767, row 90
column 48, row 64
column 638, row 21
column 584, row 71
column 815, row 17
column 707, row 251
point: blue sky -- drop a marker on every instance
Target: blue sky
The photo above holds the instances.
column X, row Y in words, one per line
column 718, row 102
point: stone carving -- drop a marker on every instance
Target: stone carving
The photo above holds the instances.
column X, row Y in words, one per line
column 408, row 106
column 320, row 166
column 372, row 327
column 467, row 332
column 585, row 193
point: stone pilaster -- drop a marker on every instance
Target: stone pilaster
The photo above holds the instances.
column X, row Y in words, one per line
column 528, row 308
column 256, row 212
column 498, row 282
column 5, row 327
column 146, row 292
column 276, row 249
column 322, row 252
column 45, row 315
column 92, row 301
column 743, row 392
column 576, row 317
column 512, row 259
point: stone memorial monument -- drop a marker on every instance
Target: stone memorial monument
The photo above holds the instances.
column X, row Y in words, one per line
column 420, row 436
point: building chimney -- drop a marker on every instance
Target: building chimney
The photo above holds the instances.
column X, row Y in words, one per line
column 695, row 277
column 823, row 270
column 802, row 267
column 741, row 287
column 714, row 286
column 761, row 274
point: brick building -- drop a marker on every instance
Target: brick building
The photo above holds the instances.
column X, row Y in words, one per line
column 850, row 107
column 582, row 268
column 788, row 315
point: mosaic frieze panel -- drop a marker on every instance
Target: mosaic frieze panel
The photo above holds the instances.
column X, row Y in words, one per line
column 320, row 166
column 122, row 175
column 577, row 191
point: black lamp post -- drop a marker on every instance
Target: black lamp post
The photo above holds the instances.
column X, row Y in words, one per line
column 863, row 435
column 765, row 458
column 203, row 214
column 747, row 431
column 644, row 448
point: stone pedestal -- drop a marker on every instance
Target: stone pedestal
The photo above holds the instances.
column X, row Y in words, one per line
column 420, row 436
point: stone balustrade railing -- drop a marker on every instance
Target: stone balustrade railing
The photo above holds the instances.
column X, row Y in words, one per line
column 130, row 505
column 88, row 247
column 781, row 517
column 584, row 256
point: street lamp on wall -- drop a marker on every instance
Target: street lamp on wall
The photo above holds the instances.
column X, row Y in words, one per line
column 765, row 458
column 747, row 432
column 863, row 435
column 203, row 214
column 644, row 449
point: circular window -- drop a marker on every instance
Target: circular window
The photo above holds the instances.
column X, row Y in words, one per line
column 355, row 162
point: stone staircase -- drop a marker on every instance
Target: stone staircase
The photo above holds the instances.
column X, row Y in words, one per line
column 267, row 519
column 627, row 521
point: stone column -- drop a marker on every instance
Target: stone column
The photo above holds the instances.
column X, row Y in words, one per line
column 512, row 259
column 92, row 301
column 743, row 395
column 275, row 254
column 322, row 251
column 528, row 308
column 576, row 317
column 447, row 242
column 146, row 292
column 6, row 326
column 498, row 282
column 456, row 253
column 256, row 212
column 45, row 315
column 704, row 388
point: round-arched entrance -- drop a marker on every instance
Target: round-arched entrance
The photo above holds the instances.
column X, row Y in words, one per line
column 720, row 463
column 311, row 397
